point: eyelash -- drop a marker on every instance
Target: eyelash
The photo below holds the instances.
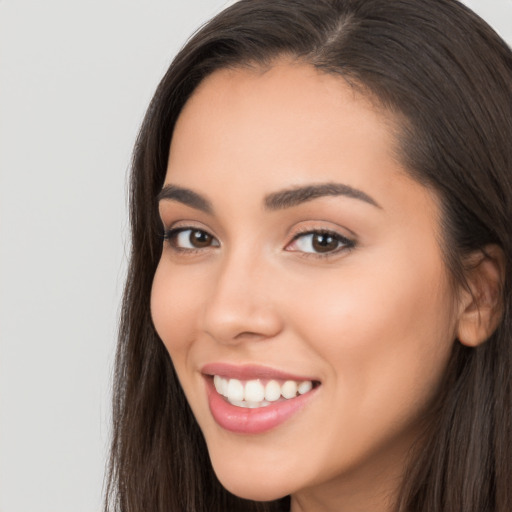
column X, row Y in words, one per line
column 344, row 243
column 170, row 235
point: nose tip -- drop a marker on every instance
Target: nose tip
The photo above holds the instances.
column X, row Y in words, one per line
column 239, row 309
column 234, row 324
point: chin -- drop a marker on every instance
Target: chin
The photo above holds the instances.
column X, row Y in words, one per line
column 249, row 486
column 254, row 491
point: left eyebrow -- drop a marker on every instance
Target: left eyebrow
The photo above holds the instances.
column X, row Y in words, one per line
column 185, row 196
column 295, row 196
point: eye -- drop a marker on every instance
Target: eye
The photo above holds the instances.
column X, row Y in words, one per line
column 320, row 242
column 190, row 239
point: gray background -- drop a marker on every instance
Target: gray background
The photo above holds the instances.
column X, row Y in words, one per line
column 75, row 79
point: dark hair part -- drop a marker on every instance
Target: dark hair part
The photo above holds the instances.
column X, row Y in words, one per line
column 448, row 76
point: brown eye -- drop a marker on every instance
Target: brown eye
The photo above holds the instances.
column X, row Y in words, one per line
column 320, row 243
column 324, row 242
column 189, row 239
column 200, row 239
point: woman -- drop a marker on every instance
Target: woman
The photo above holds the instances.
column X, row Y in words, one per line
column 317, row 313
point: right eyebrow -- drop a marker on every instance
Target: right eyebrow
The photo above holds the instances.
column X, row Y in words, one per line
column 185, row 196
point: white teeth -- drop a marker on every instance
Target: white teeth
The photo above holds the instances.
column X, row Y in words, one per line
column 224, row 386
column 235, row 390
column 272, row 391
column 304, row 387
column 253, row 393
column 249, row 405
column 252, row 404
column 217, row 382
column 289, row 389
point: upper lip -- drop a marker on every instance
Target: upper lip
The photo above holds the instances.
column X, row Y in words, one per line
column 249, row 372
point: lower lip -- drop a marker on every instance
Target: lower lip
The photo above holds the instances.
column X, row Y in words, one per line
column 252, row 421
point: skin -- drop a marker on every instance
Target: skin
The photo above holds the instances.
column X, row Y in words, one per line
column 375, row 323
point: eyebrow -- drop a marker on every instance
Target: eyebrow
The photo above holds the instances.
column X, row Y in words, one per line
column 275, row 201
column 298, row 195
column 185, row 196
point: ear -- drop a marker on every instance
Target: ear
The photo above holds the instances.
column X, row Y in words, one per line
column 481, row 302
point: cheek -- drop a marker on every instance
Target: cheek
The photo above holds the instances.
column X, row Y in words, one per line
column 386, row 338
column 174, row 306
column 385, row 331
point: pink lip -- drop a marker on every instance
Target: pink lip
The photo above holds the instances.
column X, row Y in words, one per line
column 248, row 372
column 251, row 421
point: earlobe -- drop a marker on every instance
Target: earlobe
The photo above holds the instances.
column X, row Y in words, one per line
column 481, row 303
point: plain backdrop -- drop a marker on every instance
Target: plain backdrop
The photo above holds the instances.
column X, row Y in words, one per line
column 75, row 79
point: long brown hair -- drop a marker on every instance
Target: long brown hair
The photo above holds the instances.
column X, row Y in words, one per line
column 448, row 76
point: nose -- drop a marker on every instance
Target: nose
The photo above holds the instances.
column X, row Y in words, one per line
column 241, row 305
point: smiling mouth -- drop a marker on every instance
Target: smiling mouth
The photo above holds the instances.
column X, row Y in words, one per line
column 253, row 399
column 256, row 393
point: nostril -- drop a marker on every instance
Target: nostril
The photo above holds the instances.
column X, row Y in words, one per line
column 248, row 335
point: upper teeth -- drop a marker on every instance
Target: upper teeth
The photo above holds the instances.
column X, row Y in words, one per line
column 254, row 393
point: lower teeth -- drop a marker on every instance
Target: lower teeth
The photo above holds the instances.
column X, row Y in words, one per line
column 249, row 405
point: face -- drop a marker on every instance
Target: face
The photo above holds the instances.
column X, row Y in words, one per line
column 301, row 291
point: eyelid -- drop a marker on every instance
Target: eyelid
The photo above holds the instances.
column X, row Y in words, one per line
column 168, row 226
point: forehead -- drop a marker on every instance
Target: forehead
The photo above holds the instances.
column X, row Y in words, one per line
column 288, row 113
column 299, row 91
